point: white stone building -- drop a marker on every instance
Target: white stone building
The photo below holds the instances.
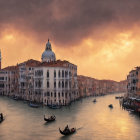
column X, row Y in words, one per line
column 51, row 82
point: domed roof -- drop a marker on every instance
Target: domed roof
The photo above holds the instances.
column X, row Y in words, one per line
column 48, row 55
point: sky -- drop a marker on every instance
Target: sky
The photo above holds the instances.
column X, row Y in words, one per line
column 102, row 37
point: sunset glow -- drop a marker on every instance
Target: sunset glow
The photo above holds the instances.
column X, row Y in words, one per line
column 100, row 45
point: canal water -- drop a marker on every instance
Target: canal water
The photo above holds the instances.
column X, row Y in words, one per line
column 94, row 121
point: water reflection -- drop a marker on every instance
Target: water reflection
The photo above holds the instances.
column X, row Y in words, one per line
column 94, row 121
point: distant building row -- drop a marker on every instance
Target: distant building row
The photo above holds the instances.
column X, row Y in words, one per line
column 90, row 86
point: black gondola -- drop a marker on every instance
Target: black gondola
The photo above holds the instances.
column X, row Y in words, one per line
column 65, row 133
column 118, row 97
column 94, row 100
column 111, row 106
column 34, row 105
column 50, row 119
column 1, row 118
column 54, row 106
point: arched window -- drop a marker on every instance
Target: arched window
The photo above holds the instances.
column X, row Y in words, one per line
column 59, row 74
column 39, row 84
column 62, row 84
column 54, row 73
column 70, row 84
column 66, row 84
column 48, row 85
column 48, row 93
column 62, row 94
column 62, row 73
column 69, row 74
column 66, row 73
column 59, row 95
column 59, row 84
column 55, row 94
column 47, row 73
column 54, row 84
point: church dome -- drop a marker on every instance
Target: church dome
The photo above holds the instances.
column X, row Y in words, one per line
column 48, row 55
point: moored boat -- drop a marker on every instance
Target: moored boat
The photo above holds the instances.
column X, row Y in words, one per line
column 66, row 132
column 54, row 106
column 33, row 105
column 118, row 97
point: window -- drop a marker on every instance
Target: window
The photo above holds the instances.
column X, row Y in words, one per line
column 1, row 85
column 48, row 93
column 59, row 95
column 54, row 84
column 51, row 94
column 48, row 85
column 38, row 73
column 66, row 84
column 62, row 84
column 59, row 84
column 54, row 73
column 59, row 74
column 69, row 74
column 62, row 73
column 39, row 84
column 70, row 84
column 47, row 74
column 1, row 78
column 66, row 73
column 62, row 94
column 66, row 95
column 55, row 94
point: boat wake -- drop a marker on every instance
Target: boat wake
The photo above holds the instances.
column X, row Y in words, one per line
column 79, row 128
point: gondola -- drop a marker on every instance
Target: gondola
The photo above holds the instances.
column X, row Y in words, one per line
column 118, row 97
column 1, row 120
column 16, row 98
column 50, row 119
column 94, row 100
column 111, row 106
column 65, row 133
column 54, row 106
column 33, row 105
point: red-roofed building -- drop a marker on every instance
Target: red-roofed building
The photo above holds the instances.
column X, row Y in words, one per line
column 52, row 82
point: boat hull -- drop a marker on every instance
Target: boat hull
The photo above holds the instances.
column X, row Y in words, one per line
column 69, row 133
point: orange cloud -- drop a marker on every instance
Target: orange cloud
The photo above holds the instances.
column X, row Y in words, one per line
column 110, row 57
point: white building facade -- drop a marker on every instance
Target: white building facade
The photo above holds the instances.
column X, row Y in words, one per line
column 51, row 82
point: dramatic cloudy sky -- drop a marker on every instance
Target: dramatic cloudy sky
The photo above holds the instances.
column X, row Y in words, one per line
column 101, row 36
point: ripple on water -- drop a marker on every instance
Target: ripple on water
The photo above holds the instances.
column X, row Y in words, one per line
column 94, row 121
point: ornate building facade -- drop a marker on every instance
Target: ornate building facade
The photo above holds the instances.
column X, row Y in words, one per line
column 51, row 82
column 133, row 82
